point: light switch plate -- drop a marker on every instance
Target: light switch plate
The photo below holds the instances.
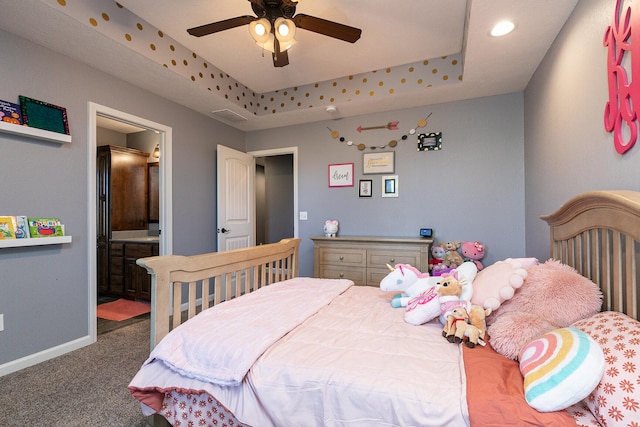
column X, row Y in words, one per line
column 303, row 215
column 1, row 322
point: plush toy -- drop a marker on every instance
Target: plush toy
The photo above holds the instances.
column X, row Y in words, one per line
column 440, row 269
column 407, row 280
column 473, row 251
column 452, row 257
column 423, row 308
column 477, row 317
column 455, row 290
column 437, row 256
column 461, row 329
column 331, row 228
column 498, row 282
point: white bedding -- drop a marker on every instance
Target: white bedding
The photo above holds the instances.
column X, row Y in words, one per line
column 344, row 375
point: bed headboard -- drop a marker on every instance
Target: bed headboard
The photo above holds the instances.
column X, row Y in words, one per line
column 598, row 233
column 212, row 278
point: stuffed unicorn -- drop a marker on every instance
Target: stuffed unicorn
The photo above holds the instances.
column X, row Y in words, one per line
column 423, row 308
column 406, row 279
column 418, row 295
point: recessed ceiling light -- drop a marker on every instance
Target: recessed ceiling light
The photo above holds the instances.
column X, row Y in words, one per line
column 502, row 28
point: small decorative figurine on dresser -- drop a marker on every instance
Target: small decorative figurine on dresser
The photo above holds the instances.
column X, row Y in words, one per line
column 331, row 228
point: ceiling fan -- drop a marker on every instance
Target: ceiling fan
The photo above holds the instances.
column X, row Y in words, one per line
column 274, row 27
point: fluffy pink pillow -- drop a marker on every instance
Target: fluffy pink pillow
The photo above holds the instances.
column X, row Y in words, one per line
column 553, row 296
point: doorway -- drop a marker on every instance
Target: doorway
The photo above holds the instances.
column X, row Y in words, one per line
column 274, row 198
column 248, row 215
column 276, row 194
column 100, row 113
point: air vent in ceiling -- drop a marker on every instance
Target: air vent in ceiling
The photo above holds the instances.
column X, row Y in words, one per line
column 228, row 116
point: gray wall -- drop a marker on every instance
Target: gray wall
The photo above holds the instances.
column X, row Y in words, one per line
column 44, row 291
column 481, row 161
column 567, row 150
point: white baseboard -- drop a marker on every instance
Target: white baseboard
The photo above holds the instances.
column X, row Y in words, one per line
column 34, row 359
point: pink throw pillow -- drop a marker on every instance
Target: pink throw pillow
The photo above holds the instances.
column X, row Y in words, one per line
column 498, row 282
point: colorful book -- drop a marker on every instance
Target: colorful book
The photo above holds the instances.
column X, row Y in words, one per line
column 45, row 227
column 22, row 227
column 7, row 227
column 10, row 112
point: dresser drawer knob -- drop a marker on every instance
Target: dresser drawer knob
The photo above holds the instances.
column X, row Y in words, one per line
column 392, row 260
column 341, row 275
column 341, row 258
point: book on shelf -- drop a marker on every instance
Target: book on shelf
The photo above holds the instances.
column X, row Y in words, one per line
column 10, row 112
column 45, row 227
column 7, row 227
column 22, row 227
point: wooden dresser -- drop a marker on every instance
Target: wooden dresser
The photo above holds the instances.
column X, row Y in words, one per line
column 364, row 259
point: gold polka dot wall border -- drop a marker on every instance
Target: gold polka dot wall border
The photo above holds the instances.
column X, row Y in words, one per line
column 115, row 21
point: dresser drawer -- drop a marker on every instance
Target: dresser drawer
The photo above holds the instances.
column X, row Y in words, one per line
column 343, row 256
column 333, row 272
column 380, row 258
column 375, row 275
column 364, row 259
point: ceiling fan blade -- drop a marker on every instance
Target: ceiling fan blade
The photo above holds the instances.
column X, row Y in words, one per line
column 215, row 27
column 280, row 59
column 327, row 28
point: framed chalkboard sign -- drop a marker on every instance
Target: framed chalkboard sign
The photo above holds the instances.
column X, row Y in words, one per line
column 42, row 115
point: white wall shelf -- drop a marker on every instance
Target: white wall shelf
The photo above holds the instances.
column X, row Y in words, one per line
column 35, row 133
column 38, row 241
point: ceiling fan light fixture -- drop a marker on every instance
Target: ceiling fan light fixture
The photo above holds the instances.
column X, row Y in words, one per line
column 268, row 44
column 287, row 45
column 260, row 30
column 285, row 29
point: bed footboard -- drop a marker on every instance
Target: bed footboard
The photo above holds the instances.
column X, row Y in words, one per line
column 182, row 286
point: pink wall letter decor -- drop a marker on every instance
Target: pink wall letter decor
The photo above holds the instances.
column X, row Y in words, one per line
column 624, row 95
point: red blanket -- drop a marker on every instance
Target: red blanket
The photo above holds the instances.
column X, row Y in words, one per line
column 495, row 393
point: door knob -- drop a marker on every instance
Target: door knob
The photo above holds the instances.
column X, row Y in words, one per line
column 224, row 230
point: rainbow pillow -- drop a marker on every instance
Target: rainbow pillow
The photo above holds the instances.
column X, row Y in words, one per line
column 560, row 368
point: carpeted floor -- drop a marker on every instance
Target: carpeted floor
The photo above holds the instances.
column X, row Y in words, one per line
column 87, row 387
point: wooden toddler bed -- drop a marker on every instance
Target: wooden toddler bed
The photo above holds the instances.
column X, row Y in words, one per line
column 314, row 352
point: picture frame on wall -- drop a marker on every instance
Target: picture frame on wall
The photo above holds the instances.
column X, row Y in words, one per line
column 341, row 175
column 378, row 162
column 42, row 115
column 430, row 141
column 390, row 186
column 365, row 188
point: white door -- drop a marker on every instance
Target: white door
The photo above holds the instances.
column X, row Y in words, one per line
column 236, row 199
